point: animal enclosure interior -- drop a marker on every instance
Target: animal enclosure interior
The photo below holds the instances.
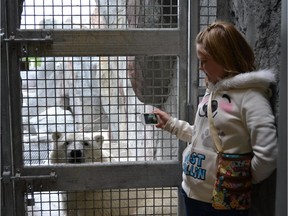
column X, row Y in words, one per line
column 82, row 104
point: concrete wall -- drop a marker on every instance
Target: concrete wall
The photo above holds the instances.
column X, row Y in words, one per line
column 260, row 22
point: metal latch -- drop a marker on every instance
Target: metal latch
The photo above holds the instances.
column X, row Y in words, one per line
column 46, row 39
column 29, row 195
column 6, row 176
column 51, row 176
column 30, row 200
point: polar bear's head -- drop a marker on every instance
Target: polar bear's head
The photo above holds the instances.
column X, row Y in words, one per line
column 78, row 147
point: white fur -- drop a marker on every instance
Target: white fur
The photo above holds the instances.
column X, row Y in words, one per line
column 105, row 202
column 87, row 144
column 254, row 79
column 80, row 203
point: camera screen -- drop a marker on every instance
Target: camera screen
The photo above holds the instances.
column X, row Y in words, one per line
column 150, row 118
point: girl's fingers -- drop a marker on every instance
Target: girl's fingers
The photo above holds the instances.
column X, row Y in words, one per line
column 162, row 118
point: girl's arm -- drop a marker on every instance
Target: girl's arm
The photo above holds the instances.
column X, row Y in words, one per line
column 182, row 129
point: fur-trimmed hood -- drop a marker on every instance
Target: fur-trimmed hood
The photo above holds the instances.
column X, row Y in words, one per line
column 255, row 79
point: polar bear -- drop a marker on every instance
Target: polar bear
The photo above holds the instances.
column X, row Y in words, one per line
column 82, row 147
column 78, row 147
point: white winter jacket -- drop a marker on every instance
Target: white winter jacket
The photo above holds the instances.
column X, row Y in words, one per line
column 243, row 117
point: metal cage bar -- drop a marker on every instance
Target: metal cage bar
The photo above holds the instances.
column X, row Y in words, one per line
column 281, row 186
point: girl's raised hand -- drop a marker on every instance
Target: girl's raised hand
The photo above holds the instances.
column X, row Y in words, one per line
column 163, row 117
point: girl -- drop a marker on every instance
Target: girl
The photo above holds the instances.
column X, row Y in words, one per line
column 242, row 116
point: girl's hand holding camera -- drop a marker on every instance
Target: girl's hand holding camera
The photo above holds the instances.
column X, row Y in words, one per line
column 163, row 117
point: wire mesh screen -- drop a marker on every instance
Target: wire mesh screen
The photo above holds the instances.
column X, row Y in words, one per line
column 142, row 201
column 91, row 14
column 88, row 109
column 207, row 12
column 82, row 105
